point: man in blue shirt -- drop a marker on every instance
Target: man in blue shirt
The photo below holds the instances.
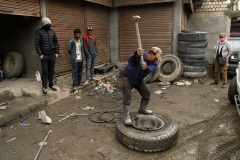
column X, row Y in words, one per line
column 133, row 76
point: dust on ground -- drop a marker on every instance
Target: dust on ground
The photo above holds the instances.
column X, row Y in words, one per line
column 208, row 126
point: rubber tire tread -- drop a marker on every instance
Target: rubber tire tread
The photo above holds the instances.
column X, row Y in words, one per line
column 192, row 44
column 193, row 69
column 17, row 67
column 187, row 31
column 176, row 74
column 193, row 56
column 185, row 50
column 148, row 141
column 194, row 74
column 196, row 63
column 195, row 36
column 232, row 90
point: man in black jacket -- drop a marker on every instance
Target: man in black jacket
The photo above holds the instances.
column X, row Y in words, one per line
column 47, row 47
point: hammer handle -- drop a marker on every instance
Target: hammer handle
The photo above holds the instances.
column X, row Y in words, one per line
column 138, row 38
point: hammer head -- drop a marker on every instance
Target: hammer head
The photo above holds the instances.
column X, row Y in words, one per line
column 135, row 18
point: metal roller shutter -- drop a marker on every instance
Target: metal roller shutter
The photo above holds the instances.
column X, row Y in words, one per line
column 65, row 17
column 17, row 7
column 155, row 27
column 108, row 3
column 97, row 17
column 118, row 3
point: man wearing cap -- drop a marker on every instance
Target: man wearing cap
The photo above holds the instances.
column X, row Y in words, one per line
column 47, row 47
column 133, row 76
column 90, row 53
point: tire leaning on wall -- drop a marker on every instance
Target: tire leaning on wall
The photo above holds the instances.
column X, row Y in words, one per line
column 13, row 65
column 177, row 71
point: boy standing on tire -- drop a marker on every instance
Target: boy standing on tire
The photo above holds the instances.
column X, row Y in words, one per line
column 47, row 47
column 75, row 49
column 133, row 76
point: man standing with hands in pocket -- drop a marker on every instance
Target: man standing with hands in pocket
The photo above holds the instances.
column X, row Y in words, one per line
column 90, row 53
column 47, row 47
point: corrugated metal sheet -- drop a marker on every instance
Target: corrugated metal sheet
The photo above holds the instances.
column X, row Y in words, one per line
column 17, row 7
column 155, row 27
column 108, row 3
column 97, row 17
column 65, row 17
column 118, row 3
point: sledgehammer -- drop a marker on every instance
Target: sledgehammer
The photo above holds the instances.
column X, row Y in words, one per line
column 135, row 19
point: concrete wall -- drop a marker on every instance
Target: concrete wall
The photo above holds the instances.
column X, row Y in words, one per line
column 210, row 18
column 17, row 34
column 113, row 29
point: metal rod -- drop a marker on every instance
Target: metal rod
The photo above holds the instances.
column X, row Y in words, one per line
column 42, row 144
column 66, row 117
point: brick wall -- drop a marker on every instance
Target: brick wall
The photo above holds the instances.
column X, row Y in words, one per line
column 212, row 6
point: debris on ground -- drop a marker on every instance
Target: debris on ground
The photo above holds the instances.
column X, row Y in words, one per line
column 183, row 83
column 78, row 97
column 105, row 68
column 42, row 144
column 3, row 107
column 216, row 100
column 11, row 139
column 158, row 92
column 104, row 87
column 23, row 124
column 42, row 117
column 88, row 108
column 66, row 117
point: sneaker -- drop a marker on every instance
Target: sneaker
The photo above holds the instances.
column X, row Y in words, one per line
column 214, row 83
column 80, row 84
column 224, row 85
column 53, row 88
column 44, row 91
column 74, row 88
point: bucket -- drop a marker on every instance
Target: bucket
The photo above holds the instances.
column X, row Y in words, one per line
column 38, row 76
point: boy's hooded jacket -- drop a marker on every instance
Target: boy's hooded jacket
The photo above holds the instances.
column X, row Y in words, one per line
column 72, row 49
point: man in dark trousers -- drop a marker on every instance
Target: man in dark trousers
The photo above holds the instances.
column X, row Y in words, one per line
column 133, row 76
column 90, row 53
column 75, row 49
column 47, row 47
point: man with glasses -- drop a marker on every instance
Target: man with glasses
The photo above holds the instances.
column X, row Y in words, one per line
column 223, row 49
column 133, row 76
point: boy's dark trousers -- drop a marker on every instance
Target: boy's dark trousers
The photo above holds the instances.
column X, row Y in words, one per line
column 77, row 68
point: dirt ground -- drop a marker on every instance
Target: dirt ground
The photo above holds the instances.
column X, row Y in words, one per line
column 208, row 126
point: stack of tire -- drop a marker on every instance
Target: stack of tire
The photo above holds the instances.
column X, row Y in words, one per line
column 192, row 51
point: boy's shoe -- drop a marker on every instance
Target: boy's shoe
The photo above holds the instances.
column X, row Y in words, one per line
column 44, row 91
column 74, row 88
column 53, row 88
column 80, row 84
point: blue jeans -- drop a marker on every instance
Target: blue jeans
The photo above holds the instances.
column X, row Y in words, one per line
column 77, row 73
column 90, row 62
